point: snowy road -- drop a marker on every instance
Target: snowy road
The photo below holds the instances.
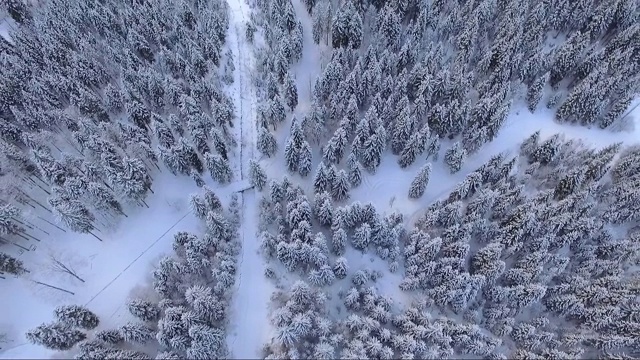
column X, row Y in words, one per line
column 249, row 314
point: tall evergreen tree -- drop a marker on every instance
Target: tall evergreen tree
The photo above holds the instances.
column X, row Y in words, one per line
column 454, row 157
column 419, row 183
column 290, row 92
column 257, row 175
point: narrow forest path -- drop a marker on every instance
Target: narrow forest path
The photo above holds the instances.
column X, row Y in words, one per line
column 249, row 326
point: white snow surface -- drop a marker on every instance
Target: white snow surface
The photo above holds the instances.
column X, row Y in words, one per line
column 114, row 269
column 111, row 269
column 249, row 326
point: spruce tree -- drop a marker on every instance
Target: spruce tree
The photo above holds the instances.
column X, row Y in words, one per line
column 257, row 176
column 534, row 94
column 321, row 181
column 419, row 183
column 355, row 173
column 304, row 159
column 340, row 187
column 11, row 265
column 267, row 144
column 55, row 336
column 76, row 315
column 143, row 310
column 290, row 92
column 454, row 157
column 218, row 168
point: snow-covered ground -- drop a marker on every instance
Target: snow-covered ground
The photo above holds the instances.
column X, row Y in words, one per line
column 248, row 313
column 6, row 23
column 114, row 268
column 110, row 269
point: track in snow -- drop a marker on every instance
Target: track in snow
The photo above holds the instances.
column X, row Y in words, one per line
column 249, row 326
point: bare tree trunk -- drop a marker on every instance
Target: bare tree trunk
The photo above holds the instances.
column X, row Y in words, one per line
column 18, row 234
column 34, row 200
column 7, row 241
column 37, row 227
column 20, row 246
column 95, row 236
column 38, row 185
column 50, row 223
column 25, row 202
column 59, row 266
column 53, row 287
column 629, row 112
column 31, row 236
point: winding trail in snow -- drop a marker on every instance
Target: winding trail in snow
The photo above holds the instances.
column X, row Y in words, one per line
column 249, row 326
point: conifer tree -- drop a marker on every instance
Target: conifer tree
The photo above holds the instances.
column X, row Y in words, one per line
column 454, row 157
column 339, row 241
column 355, row 174
column 419, row 183
column 11, row 265
column 267, row 144
column 136, row 332
column 55, row 336
column 257, row 176
column 76, row 315
column 534, row 94
column 304, row 159
column 143, row 310
column 290, row 92
column 218, row 168
column 340, row 187
column 321, row 180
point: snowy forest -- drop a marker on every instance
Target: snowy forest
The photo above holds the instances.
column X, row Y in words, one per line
column 352, row 179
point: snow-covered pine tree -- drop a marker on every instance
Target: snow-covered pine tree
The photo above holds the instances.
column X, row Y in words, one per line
column 341, row 268
column 339, row 241
column 257, row 176
column 267, row 144
column 77, row 316
column 304, row 159
column 346, row 30
column 341, row 186
column 321, row 181
column 11, row 265
column 211, row 200
column 162, row 132
column 276, row 112
column 362, row 237
column 335, row 147
column 419, row 183
column 414, row 148
column 55, row 336
column 325, row 212
column 207, row 343
column 219, row 226
column 323, row 276
column 143, row 309
column 534, row 94
column 109, row 336
column 136, row 333
column 114, row 99
column 355, row 173
column 290, row 92
column 455, row 156
column 196, row 177
column 218, row 168
column 73, row 214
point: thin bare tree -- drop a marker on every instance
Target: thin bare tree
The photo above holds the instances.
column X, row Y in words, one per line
column 58, row 264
